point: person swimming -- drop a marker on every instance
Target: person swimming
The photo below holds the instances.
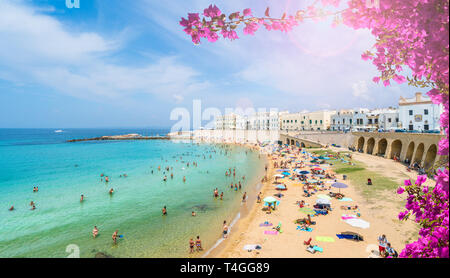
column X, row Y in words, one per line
column 11, row 208
column 164, row 210
column 111, row 191
column 193, row 213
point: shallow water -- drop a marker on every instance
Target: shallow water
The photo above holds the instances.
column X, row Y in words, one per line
column 64, row 171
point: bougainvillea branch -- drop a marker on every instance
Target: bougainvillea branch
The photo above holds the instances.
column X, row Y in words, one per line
column 411, row 34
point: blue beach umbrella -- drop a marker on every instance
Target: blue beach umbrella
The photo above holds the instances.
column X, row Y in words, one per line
column 304, row 172
column 339, row 185
column 286, row 173
column 280, row 186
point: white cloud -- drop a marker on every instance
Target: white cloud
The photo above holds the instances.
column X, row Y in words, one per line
column 360, row 90
column 42, row 50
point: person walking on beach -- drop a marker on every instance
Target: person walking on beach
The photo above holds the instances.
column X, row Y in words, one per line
column 244, row 197
column 258, row 198
column 225, row 229
column 382, row 243
column 95, row 232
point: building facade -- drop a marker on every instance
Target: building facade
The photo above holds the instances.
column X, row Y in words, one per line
column 419, row 113
column 306, row 121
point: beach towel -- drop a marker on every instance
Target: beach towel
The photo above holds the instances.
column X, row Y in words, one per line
column 307, row 230
column 318, row 249
column 359, row 223
column 345, row 199
column 265, row 224
column 271, row 232
column 307, row 210
column 324, row 239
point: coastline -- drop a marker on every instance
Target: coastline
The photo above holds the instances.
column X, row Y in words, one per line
column 246, row 214
column 381, row 214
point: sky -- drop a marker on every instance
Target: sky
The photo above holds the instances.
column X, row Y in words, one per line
column 115, row 63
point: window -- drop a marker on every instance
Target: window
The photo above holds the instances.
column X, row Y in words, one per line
column 334, row 121
column 351, row 121
column 389, row 120
column 302, row 122
column 411, row 127
column 376, row 121
column 316, row 122
column 295, row 120
column 370, row 121
column 343, row 121
column 310, row 122
column 426, row 113
column 426, row 127
column 396, row 120
column 320, row 121
column 410, row 112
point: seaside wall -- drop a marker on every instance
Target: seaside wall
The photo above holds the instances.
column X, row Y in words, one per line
column 345, row 140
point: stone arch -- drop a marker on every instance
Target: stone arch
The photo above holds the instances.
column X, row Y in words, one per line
column 430, row 157
column 382, row 146
column 292, row 142
column 360, row 144
column 396, row 148
column 297, row 144
column 410, row 152
column 419, row 153
column 370, row 145
column 287, row 141
column 303, row 145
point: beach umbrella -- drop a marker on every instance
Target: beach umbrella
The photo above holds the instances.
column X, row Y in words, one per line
column 312, row 181
column 283, row 170
column 280, row 186
column 270, row 199
column 304, row 172
column 339, row 185
column 279, row 176
column 320, row 176
column 286, row 173
column 318, row 169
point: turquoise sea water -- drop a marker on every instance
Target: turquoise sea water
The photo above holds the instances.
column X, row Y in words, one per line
column 64, row 171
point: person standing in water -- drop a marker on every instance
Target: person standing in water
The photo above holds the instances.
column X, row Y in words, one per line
column 225, row 229
column 198, row 243
column 82, row 198
column 191, row 245
column 95, row 232
column 114, row 236
column 164, row 210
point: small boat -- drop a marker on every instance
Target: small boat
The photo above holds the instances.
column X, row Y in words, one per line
column 58, row 131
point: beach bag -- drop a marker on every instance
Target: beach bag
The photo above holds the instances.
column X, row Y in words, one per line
column 311, row 250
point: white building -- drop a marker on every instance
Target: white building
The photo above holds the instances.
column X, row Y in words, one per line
column 388, row 119
column 342, row 120
column 318, row 120
column 419, row 113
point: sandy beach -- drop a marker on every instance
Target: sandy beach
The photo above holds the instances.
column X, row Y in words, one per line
column 381, row 212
